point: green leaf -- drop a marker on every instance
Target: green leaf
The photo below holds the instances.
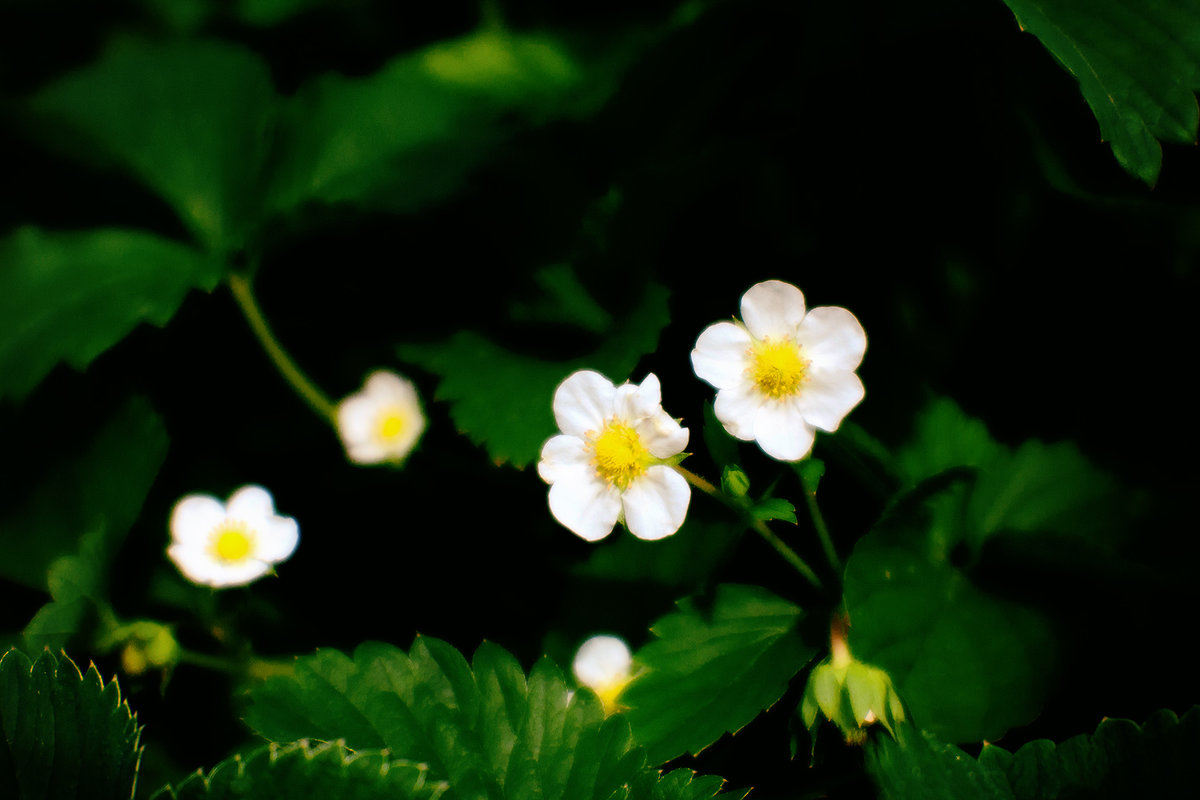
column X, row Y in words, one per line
column 969, row 665
column 102, row 489
column 65, row 735
column 712, row 672
column 71, row 296
column 1137, row 62
column 1119, row 760
column 485, row 728
column 191, row 119
column 678, row 784
column 502, row 400
column 304, row 769
column 76, row 585
column 409, row 134
column 775, row 508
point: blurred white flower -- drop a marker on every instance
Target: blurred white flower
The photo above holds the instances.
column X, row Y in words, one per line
column 604, row 665
column 611, row 461
column 383, row 421
column 780, row 372
column 230, row 544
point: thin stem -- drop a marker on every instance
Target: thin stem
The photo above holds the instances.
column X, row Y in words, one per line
column 308, row 391
column 814, row 511
column 255, row 667
column 756, row 524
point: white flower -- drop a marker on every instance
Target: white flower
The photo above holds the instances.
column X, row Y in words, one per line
column 230, row 544
column 610, row 462
column 604, row 665
column 383, row 421
column 780, row 372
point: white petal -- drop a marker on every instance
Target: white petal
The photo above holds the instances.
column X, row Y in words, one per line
column 832, row 338
column 199, row 566
column 602, row 662
column 661, row 435
column 586, row 505
column 828, row 396
column 562, row 452
column 194, row 517
column 356, row 419
column 737, row 409
column 722, row 355
column 250, row 504
column 781, row 431
column 389, row 387
column 633, row 402
column 276, row 539
column 368, row 451
column 772, row 308
column 656, row 503
column 583, row 402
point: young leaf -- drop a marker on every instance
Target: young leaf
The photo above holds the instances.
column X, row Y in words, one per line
column 65, row 735
column 775, row 508
column 968, row 665
column 708, row 673
column 100, row 490
column 485, row 728
column 191, row 119
column 71, row 296
column 1137, row 62
column 1119, row 760
column 304, row 769
column 502, row 400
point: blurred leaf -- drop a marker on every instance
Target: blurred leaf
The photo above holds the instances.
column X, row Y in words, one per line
column 267, row 13
column 101, row 490
column 563, row 300
column 487, row 729
column 304, row 769
column 678, row 784
column 775, row 508
column 65, row 735
column 968, row 665
column 76, row 585
column 502, row 400
column 1036, row 488
column 685, row 560
column 71, row 296
column 708, row 673
column 191, row 119
column 1119, row 760
column 409, row 134
column 1137, row 62
column 722, row 448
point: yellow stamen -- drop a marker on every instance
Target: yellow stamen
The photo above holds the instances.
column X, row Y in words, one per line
column 777, row 368
column 619, row 455
column 391, row 424
column 233, row 542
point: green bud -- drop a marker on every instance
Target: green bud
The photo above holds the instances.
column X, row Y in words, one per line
column 853, row 695
column 734, row 481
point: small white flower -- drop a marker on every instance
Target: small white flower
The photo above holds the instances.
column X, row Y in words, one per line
column 781, row 372
column 604, row 665
column 230, row 544
column 383, row 421
column 610, row 462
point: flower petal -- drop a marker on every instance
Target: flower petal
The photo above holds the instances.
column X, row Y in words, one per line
column 602, row 662
column 828, row 396
column 633, row 401
column 721, row 355
column 737, row 409
column 583, row 402
column 656, row 503
column 194, row 517
column 389, row 387
column 356, row 419
column 199, row 566
column 772, row 308
column 276, row 539
column 583, row 503
column 250, row 504
column 832, row 338
column 662, row 435
column 781, row 431
column 559, row 453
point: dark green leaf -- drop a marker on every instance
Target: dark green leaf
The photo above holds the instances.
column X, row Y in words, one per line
column 101, row 490
column 65, row 735
column 502, row 400
column 712, row 672
column 303, row 769
column 775, row 508
column 191, row 119
column 71, row 296
column 678, row 784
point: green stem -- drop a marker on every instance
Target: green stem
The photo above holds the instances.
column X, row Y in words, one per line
column 308, row 391
column 756, row 524
column 814, row 511
column 255, row 667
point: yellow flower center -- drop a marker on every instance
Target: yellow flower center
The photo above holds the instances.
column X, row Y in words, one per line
column 619, row 455
column 391, row 424
column 777, row 368
column 233, row 542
